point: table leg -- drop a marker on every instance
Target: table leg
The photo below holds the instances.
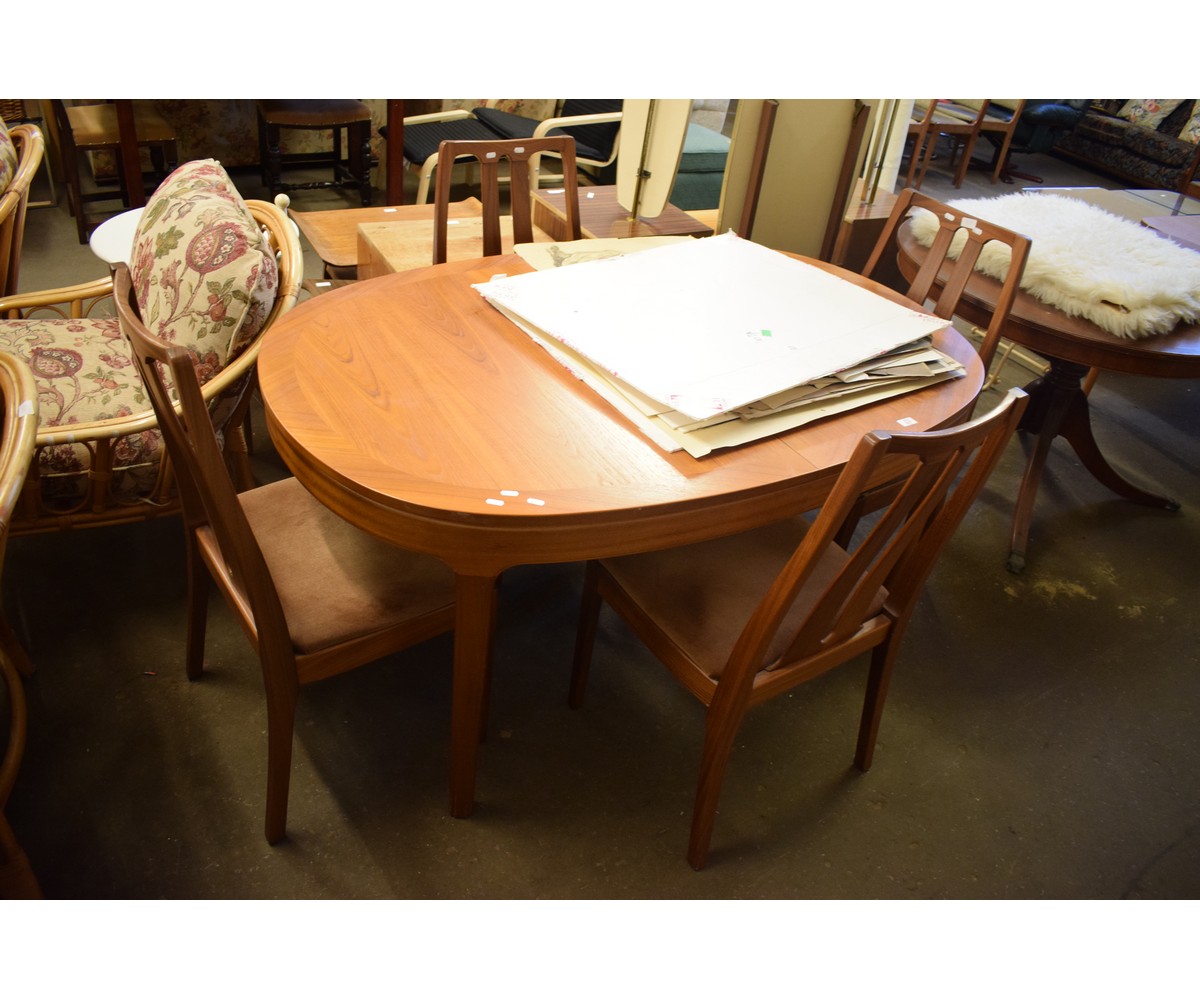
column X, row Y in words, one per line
column 474, row 631
column 1059, row 407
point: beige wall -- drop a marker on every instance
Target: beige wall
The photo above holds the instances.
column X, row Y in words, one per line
column 808, row 145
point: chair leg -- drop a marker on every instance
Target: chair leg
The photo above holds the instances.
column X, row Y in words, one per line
column 198, row 585
column 585, row 635
column 281, row 723
column 362, row 168
column 423, row 185
column 74, row 191
column 272, row 160
column 721, row 727
column 883, row 659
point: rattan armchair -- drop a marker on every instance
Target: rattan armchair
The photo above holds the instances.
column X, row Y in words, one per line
column 21, row 151
column 108, row 466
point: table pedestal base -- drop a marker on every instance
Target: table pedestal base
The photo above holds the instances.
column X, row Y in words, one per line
column 1058, row 406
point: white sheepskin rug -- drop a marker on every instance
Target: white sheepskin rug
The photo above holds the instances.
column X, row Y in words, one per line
column 1083, row 260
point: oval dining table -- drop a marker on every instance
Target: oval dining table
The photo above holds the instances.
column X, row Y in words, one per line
column 1058, row 402
column 416, row 411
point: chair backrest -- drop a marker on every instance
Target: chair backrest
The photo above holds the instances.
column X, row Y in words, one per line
column 518, row 153
column 885, row 570
column 951, row 260
column 210, row 504
column 21, row 150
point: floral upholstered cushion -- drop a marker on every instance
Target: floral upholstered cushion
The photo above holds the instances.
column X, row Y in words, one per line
column 8, row 157
column 84, row 373
column 1148, row 113
column 203, row 273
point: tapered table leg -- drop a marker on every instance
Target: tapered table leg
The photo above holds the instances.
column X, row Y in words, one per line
column 473, row 636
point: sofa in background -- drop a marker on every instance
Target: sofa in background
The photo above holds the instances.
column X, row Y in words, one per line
column 701, row 169
column 1149, row 143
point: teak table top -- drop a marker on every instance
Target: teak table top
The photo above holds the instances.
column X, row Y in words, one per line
column 418, row 412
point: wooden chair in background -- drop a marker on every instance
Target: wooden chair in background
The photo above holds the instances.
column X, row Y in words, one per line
column 332, row 116
column 521, row 156
column 18, row 410
column 315, row 595
column 748, row 617
column 965, row 122
column 920, row 131
column 93, row 128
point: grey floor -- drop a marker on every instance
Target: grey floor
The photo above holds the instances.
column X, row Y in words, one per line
column 1040, row 742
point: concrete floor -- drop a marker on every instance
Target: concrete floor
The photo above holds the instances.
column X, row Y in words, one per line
column 1040, row 741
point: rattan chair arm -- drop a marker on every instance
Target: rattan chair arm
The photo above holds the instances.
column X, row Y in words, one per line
column 23, row 301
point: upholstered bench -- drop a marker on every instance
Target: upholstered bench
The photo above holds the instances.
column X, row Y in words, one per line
column 701, row 169
column 207, row 276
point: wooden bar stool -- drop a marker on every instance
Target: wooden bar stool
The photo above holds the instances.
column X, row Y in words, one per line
column 333, row 116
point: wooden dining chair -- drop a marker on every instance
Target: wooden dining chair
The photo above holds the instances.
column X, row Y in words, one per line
column 315, row 595
column 951, row 261
column 943, row 276
column 18, row 410
column 964, row 122
column 924, row 139
column 521, row 156
column 748, row 617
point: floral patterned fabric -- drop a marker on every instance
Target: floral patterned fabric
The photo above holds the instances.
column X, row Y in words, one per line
column 1191, row 131
column 8, row 157
column 201, row 269
column 205, row 278
column 84, row 372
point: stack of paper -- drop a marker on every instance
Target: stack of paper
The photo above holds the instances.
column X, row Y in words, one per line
column 717, row 342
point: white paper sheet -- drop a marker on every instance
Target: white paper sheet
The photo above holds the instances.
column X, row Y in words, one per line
column 710, row 325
